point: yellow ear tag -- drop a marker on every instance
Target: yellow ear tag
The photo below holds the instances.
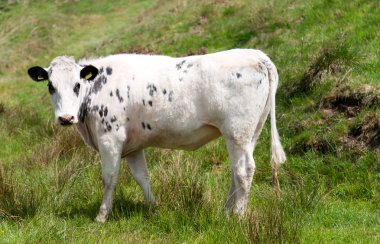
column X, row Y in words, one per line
column 40, row 78
column 88, row 76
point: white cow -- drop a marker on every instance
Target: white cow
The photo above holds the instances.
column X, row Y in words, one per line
column 124, row 103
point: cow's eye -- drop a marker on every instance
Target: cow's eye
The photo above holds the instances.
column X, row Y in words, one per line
column 51, row 88
column 76, row 89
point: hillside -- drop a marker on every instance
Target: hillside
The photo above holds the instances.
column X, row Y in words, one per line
column 328, row 117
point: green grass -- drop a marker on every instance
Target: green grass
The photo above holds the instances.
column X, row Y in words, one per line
column 328, row 118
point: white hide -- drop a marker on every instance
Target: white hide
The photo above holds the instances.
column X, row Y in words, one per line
column 179, row 103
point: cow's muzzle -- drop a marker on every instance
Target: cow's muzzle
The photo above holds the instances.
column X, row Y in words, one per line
column 66, row 119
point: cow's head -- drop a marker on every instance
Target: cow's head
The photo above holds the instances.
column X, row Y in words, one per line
column 67, row 83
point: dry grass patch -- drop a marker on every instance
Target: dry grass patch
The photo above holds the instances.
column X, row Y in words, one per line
column 181, row 186
column 16, row 199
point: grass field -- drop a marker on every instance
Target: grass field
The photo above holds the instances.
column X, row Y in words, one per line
column 328, row 117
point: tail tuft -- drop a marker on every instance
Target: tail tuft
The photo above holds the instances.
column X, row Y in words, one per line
column 278, row 153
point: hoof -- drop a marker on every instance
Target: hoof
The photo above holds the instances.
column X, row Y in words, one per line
column 277, row 191
column 100, row 219
column 152, row 203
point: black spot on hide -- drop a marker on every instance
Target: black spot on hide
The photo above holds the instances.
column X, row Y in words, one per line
column 95, row 108
column 103, row 111
column 76, row 89
column 101, row 70
column 111, row 94
column 179, row 65
column 109, row 70
column 170, row 98
column 164, row 91
column 121, row 99
column 150, row 103
column 84, row 108
column 258, row 84
column 128, row 89
column 148, row 126
column 190, row 65
column 238, row 75
column 152, row 89
column 100, row 80
column 109, row 127
column 113, row 119
column 143, row 125
column 261, row 68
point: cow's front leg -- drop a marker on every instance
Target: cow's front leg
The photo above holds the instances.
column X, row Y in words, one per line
column 137, row 164
column 110, row 153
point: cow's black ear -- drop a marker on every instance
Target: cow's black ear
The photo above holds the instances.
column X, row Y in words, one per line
column 89, row 72
column 38, row 73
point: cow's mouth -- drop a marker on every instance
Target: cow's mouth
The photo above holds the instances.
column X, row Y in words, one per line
column 66, row 123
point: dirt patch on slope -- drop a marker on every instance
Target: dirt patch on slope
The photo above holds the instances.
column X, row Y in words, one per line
column 366, row 134
column 351, row 101
column 355, row 107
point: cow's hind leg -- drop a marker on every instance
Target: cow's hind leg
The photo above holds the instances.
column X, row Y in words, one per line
column 231, row 195
column 139, row 170
column 110, row 154
column 243, row 168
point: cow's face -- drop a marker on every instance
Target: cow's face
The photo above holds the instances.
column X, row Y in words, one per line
column 67, row 84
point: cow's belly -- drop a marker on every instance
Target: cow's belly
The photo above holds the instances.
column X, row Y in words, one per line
column 185, row 139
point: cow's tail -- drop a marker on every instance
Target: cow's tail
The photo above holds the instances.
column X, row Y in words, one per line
column 278, row 155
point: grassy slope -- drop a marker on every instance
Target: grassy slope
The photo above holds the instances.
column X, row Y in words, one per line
column 50, row 185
